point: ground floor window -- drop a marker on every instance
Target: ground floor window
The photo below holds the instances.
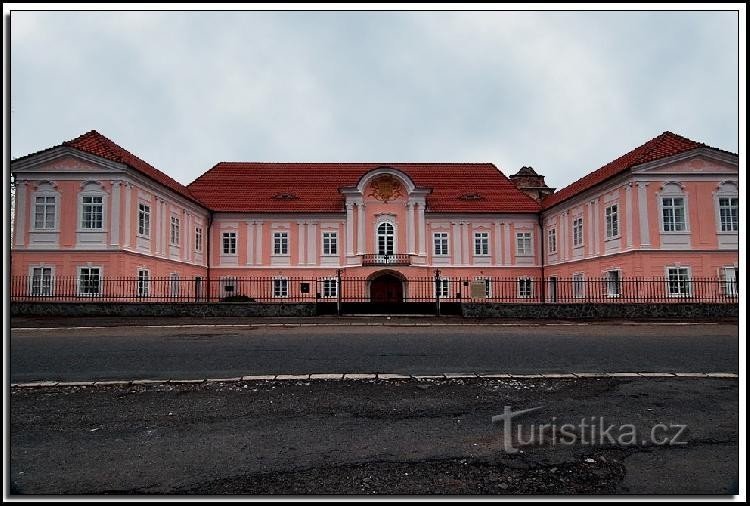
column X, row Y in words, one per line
column 174, row 284
column 89, row 281
column 330, row 288
column 525, row 288
column 487, row 286
column 678, row 282
column 143, row 282
column 442, row 288
column 281, row 287
column 579, row 286
column 228, row 286
column 41, row 281
column 730, row 278
column 614, row 284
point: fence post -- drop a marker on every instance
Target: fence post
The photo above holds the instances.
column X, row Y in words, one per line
column 437, row 292
column 338, row 292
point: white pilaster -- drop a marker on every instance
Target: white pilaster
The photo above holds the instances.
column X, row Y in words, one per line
column 456, row 240
column 166, row 222
column 410, row 227
column 506, row 234
column 596, row 226
column 312, row 244
column 465, row 242
column 628, row 216
column 349, row 229
column 250, row 242
column 562, row 240
column 498, row 245
column 301, row 227
column 258, row 242
column 19, row 234
column 156, row 246
column 420, row 224
column 114, row 213
column 128, row 213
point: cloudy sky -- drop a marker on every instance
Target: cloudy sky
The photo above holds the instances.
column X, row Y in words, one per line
column 564, row 92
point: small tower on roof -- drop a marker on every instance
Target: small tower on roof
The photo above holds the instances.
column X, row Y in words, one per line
column 531, row 183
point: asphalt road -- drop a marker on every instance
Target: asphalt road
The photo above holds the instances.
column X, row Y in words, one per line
column 378, row 437
column 216, row 352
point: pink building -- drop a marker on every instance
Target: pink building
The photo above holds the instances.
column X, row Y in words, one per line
column 89, row 210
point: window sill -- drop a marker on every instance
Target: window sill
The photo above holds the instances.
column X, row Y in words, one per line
column 727, row 232
column 49, row 230
column 675, row 232
column 613, row 238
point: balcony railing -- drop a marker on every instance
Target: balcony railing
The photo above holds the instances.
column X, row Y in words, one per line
column 386, row 259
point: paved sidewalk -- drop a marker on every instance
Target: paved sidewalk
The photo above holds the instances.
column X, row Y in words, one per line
column 364, row 320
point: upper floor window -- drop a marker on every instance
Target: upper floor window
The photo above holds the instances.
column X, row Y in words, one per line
column 229, row 243
column 729, row 213
column 330, row 243
column 174, row 231
column 385, row 239
column 198, row 239
column 673, row 214
column 280, row 243
column 45, row 208
column 552, row 240
column 481, row 243
column 578, row 232
column 440, row 241
column 144, row 220
column 613, row 225
column 92, row 212
column 523, row 244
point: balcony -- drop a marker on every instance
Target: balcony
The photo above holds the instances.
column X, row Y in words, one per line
column 386, row 260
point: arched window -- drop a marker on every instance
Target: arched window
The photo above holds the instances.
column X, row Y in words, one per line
column 385, row 239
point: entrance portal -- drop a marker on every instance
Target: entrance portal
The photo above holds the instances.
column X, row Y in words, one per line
column 386, row 288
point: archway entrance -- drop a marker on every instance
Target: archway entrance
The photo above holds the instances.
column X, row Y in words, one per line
column 386, row 288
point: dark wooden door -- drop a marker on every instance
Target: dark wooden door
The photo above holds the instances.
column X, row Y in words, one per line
column 386, row 288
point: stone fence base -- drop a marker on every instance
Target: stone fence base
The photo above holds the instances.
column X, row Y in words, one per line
column 208, row 309
column 643, row 311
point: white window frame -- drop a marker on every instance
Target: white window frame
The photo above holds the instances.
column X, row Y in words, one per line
column 552, row 240
column 199, row 239
column 671, row 225
column 481, row 244
column 229, row 243
column 82, row 205
column 612, row 221
column 174, row 230
column 281, row 288
column 143, row 285
column 736, row 222
column 50, row 285
column 330, row 244
column 144, row 220
column 440, row 246
column 614, row 282
column 79, row 280
column 525, row 287
column 386, row 236
column 729, row 284
column 443, row 286
column 47, row 225
column 280, row 244
column 527, row 238
column 578, row 231
column 579, row 285
column 329, row 288
column 681, row 283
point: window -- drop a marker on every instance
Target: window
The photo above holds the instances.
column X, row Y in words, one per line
column 330, row 243
column 385, row 239
column 229, row 243
column 523, row 243
column 228, row 286
column 440, row 240
column 89, row 281
column 92, row 212
column 143, row 282
column 174, row 284
column 41, row 281
column 144, row 220
column 174, row 231
column 330, row 288
column 730, row 277
column 487, row 286
column 552, row 240
column 525, row 288
column 280, row 243
column 442, row 288
column 729, row 214
column 613, row 227
column 678, row 282
column 578, row 232
column 481, row 243
column 613, row 284
column 44, row 213
column 198, row 239
column 673, row 214
column 579, row 286
column 281, row 287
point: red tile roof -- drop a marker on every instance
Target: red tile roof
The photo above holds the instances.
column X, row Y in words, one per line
column 96, row 144
column 663, row 146
column 314, row 187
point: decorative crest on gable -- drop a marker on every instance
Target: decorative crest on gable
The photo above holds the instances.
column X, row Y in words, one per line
column 385, row 188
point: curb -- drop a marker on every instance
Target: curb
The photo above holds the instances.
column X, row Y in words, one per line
column 378, row 376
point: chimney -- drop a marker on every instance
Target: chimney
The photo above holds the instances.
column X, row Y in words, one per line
column 531, row 183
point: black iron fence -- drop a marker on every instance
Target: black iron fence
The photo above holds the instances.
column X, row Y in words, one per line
column 393, row 290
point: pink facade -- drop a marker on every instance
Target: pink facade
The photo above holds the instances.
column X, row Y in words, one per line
column 86, row 207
